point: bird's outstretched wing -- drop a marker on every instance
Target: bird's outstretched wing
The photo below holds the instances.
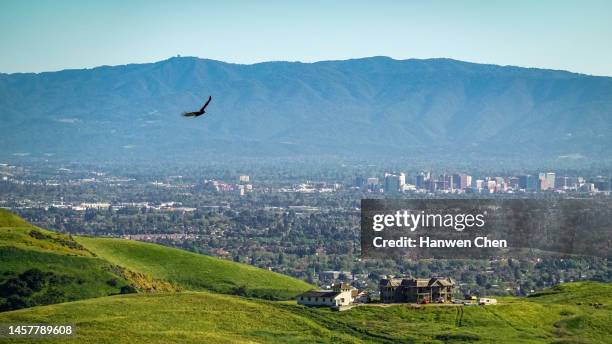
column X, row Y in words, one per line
column 206, row 104
column 191, row 114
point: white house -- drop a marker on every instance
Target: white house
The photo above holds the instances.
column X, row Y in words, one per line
column 340, row 295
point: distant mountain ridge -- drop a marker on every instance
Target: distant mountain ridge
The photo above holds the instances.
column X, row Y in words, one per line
column 361, row 108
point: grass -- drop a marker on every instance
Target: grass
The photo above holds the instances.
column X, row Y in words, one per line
column 148, row 267
column 76, row 273
column 568, row 313
column 15, row 232
column 190, row 317
column 193, row 271
column 95, row 267
column 8, row 219
column 195, row 317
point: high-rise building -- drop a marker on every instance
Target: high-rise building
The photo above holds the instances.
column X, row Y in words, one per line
column 562, row 183
column 527, row 182
column 421, row 180
column 550, row 180
column 394, row 182
column 402, row 180
column 430, row 185
column 491, row 184
column 456, row 181
column 546, row 181
column 244, row 179
column 541, row 185
column 500, row 184
column 373, row 184
column 461, row 181
column 444, row 182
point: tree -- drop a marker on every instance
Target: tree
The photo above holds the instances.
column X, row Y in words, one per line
column 481, row 280
column 127, row 289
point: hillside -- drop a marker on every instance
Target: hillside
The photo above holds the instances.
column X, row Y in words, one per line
column 562, row 315
column 180, row 299
column 363, row 108
column 43, row 267
column 194, row 271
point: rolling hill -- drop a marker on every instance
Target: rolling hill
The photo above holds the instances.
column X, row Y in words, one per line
column 183, row 297
column 43, row 267
column 366, row 108
column 561, row 315
column 193, row 271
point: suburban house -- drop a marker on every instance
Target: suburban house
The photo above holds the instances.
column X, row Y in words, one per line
column 416, row 290
column 361, row 297
column 340, row 295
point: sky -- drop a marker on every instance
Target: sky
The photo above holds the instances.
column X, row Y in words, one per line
column 47, row 35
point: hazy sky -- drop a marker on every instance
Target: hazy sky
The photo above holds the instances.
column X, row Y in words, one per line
column 52, row 35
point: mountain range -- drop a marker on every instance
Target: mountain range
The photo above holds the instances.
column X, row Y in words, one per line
column 364, row 108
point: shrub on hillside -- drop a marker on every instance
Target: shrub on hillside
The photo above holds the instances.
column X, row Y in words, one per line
column 59, row 240
column 30, row 288
column 127, row 289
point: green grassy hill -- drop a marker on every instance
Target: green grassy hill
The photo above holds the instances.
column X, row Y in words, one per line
column 43, row 267
column 193, row 271
column 8, row 219
column 558, row 316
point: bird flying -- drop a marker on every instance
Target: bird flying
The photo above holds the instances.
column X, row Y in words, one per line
column 198, row 113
